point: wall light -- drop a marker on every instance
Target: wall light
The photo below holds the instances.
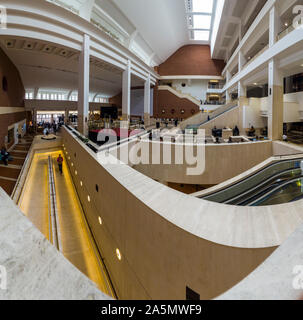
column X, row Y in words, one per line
column 76, row 172
column 81, row 183
column 72, row 164
column 100, row 220
column 88, row 198
column 118, row 253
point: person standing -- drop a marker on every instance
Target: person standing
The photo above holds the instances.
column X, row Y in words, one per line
column 60, row 163
column 4, row 156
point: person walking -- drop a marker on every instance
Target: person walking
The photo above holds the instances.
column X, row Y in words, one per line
column 60, row 163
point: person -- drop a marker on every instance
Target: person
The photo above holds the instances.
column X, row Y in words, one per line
column 284, row 137
column 236, row 131
column 4, row 156
column 217, row 140
column 230, row 140
column 252, row 131
column 60, row 163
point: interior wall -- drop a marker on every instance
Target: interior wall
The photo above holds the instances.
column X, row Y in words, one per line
column 196, row 88
column 11, row 97
column 192, row 60
column 159, row 258
column 172, row 106
column 137, row 102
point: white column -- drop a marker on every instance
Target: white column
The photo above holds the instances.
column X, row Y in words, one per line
column 241, row 90
column 34, row 117
column 241, row 61
column 275, row 101
column 66, row 116
column 126, row 86
column 36, row 91
column 83, row 91
column 228, row 77
column 240, row 31
column 274, row 25
column 147, row 101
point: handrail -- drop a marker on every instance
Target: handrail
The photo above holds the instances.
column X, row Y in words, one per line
column 16, row 196
column 53, row 210
column 107, row 147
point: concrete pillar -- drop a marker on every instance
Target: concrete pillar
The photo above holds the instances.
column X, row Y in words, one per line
column 228, row 77
column 275, row 101
column 36, row 91
column 241, row 90
column 240, row 29
column 242, row 102
column 241, row 61
column 274, row 25
column 126, row 86
column 147, row 101
column 83, row 91
column 66, row 116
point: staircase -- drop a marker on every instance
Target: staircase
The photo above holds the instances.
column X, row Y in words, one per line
column 9, row 174
column 180, row 94
column 198, row 120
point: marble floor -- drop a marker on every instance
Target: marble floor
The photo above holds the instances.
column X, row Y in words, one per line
column 77, row 243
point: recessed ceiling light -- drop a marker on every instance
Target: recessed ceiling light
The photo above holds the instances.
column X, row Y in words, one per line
column 118, row 253
column 286, row 24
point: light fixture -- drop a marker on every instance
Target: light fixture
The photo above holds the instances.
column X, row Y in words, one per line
column 286, row 24
column 81, row 183
column 118, row 253
column 72, row 164
column 302, row 65
column 76, row 172
column 255, row 84
column 100, row 220
column 88, row 198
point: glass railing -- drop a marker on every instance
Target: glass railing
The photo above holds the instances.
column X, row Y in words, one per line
column 65, row 5
column 285, row 32
column 242, row 188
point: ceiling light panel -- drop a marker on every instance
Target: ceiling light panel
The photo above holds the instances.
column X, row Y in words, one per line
column 202, row 6
column 201, row 21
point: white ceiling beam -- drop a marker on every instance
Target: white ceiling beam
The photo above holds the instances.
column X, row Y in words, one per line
column 86, row 9
column 251, row 6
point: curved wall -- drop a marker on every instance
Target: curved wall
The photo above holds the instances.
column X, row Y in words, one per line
column 222, row 162
column 146, row 221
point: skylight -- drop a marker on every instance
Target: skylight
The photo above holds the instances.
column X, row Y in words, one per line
column 201, row 35
column 200, row 17
column 202, row 6
column 202, row 22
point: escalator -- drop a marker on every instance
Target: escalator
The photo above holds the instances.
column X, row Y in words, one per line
column 280, row 182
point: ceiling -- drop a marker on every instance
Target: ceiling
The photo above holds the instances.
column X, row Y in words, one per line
column 49, row 67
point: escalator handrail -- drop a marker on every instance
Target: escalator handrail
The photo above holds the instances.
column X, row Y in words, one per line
column 251, row 176
column 274, row 190
column 259, row 185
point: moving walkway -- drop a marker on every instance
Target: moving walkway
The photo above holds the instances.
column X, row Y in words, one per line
column 280, row 182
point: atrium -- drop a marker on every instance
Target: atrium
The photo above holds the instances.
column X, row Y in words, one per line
column 151, row 150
